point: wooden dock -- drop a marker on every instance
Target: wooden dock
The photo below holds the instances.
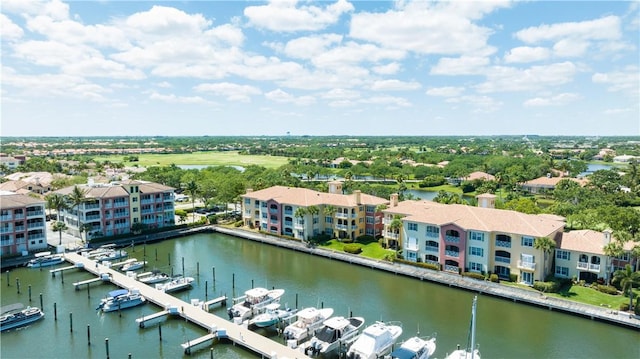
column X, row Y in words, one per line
column 76, row 265
column 195, row 314
column 220, row 300
column 103, row 277
column 147, row 318
column 192, row 343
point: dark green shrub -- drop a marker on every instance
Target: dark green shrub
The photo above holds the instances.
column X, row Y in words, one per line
column 624, row 307
column 352, row 248
column 238, row 224
column 473, row 275
column 422, row 265
column 513, row 278
column 636, row 308
column 366, row 239
column 494, row 278
column 607, row 289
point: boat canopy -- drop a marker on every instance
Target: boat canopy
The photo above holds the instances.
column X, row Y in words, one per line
column 403, row 353
column 117, row 292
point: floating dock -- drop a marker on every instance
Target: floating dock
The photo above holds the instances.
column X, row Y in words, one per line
column 147, row 318
column 206, row 305
column 192, row 343
column 213, row 324
column 104, row 277
column 74, row 266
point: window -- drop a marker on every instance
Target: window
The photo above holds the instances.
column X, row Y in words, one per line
column 135, row 209
column 413, row 226
column 360, row 220
column 134, row 199
column 476, row 236
column 433, row 231
column 371, row 209
column 527, row 241
column 560, row 254
column 370, row 220
column 562, row 271
column 476, row 251
column 315, row 220
column 328, row 219
column 475, row 267
column 247, row 201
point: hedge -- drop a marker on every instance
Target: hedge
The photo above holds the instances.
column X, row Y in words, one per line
column 473, row 275
column 352, row 248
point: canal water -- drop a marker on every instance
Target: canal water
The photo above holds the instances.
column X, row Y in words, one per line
column 504, row 329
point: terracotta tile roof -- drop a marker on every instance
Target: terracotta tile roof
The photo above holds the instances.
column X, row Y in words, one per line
column 551, row 181
column 479, row 175
column 306, row 197
column 14, row 200
column 116, row 190
column 586, row 241
column 476, row 218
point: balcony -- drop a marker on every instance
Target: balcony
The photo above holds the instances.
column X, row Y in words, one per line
column 92, row 217
column 342, row 215
column 505, row 244
column 502, row 259
column 431, row 249
column 35, row 225
column 6, row 217
column 6, row 230
column 19, row 229
column 450, row 268
column 452, row 239
column 454, row 254
column 386, row 221
column 588, row 267
column 341, row 227
column 273, row 210
column 288, row 223
column 432, row 235
column 298, row 225
column 526, row 265
column 391, row 235
column 91, row 206
column 246, row 214
column 435, row 263
column 35, row 213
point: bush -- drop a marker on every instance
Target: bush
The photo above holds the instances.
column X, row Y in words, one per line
column 422, row 265
column 352, row 248
column 607, row 289
column 494, row 278
column 624, row 307
column 513, row 278
column 432, row 181
column 636, row 308
column 238, row 224
column 473, row 275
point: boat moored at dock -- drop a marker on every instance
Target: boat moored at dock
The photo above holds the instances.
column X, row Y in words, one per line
column 309, row 321
column 176, row 284
column 336, row 334
column 15, row 319
column 121, row 299
column 45, row 259
column 415, row 348
column 376, row 341
column 253, row 302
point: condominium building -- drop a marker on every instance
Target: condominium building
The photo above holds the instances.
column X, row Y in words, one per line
column 580, row 254
column 459, row 238
column 115, row 208
column 303, row 213
column 22, row 224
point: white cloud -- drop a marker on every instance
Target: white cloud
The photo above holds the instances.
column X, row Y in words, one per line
column 394, row 85
column 570, row 48
column 284, row 97
column 389, row 101
column 52, row 85
column 388, row 69
column 480, row 104
column 428, row 28
column 626, row 80
column 177, row 99
column 162, row 21
column 465, row 65
column 506, row 79
column 308, row 47
column 617, row 111
column 606, row 28
column 354, row 53
column 557, row 100
column 231, row 91
column 526, row 54
column 340, row 94
column 55, row 9
column 9, row 30
column 285, row 16
column 447, row 91
column 164, row 84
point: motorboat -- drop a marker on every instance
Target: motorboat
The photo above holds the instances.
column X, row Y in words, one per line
column 309, row 321
column 20, row 318
column 271, row 316
column 175, row 284
column 121, row 299
column 376, row 341
column 415, row 348
column 111, row 255
column 471, row 352
column 45, row 259
column 133, row 265
column 335, row 335
column 253, row 302
column 152, row 278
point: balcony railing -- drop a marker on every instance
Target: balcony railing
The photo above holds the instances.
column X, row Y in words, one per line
column 502, row 259
column 342, row 215
column 34, row 213
column 6, row 217
column 526, row 265
column 298, row 225
column 588, row 266
column 342, row 227
column 35, row 225
column 452, row 239
column 452, row 253
column 432, row 235
column 391, row 235
column 450, row 268
column 288, row 211
column 91, row 206
column 6, row 229
column 505, row 244
column 288, row 223
column 273, row 211
column 432, row 249
column 19, row 228
column 432, row 262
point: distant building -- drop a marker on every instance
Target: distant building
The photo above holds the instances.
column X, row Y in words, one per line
column 114, row 208
column 542, row 184
column 22, row 224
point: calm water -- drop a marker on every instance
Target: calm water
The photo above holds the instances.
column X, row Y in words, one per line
column 504, row 329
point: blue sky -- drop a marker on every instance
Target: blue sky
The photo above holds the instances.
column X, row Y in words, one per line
column 88, row 68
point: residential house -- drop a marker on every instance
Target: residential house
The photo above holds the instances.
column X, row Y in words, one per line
column 580, row 254
column 546, row 184
column 117, row 207
column 304, row 213
column 22, row 224
column 459, row 238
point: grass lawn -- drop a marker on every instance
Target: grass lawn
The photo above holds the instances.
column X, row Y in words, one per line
column 229, row 158
column 369, row 250
column 444, row 187
column 588, row 295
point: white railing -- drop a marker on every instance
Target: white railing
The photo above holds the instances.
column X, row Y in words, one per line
column 391, row 235
column 452, row 239
column 526, row 265
column 431, row 249
column 452, row 253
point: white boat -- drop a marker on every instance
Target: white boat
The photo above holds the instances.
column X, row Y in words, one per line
column 309, row 321
column 471, row 352
column 335, row 335
column 271, row 316
column 376, row 341
column 415, row 348
column 133, row 265
column 121, row 299
column 253, row 303
column 176, row 284
column 153, row 278
column 20, row 318
column 111, row 255
column 45, row 259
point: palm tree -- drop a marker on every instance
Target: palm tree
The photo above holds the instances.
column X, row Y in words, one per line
column 300, row 213
column 330, row 211
column 395, row 226
column 627, row 279
column 192, row 189
column 545, row 244
column 57, row 201
column 313, row 211
column 76, row 198
column 611, row 250
column 59, row 226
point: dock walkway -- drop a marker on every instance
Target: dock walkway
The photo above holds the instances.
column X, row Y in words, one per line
column 514, row 294
column 236, row 333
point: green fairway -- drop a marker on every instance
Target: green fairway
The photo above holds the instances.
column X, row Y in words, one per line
column 227, row 158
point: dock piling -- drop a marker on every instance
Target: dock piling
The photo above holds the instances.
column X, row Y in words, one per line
column 9, row 283
column 55, row 312
column 206, row 290
column 213, row 269
column 29, row 293
column 71, row 322
column 41, row 305
column 18, row 284
column 106, row 344
column 198, row 268
column 183, row 266
column 160, row 331
column 88, row 335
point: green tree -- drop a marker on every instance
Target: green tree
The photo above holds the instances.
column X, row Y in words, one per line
column 611, row 250
column 330, row 212
column 56, row 201
column 192, row 189
column 76, row 198
column 627, row 279
column 59, row 226
column 546, row 245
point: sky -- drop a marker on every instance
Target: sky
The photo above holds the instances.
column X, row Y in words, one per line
column 381, row 68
